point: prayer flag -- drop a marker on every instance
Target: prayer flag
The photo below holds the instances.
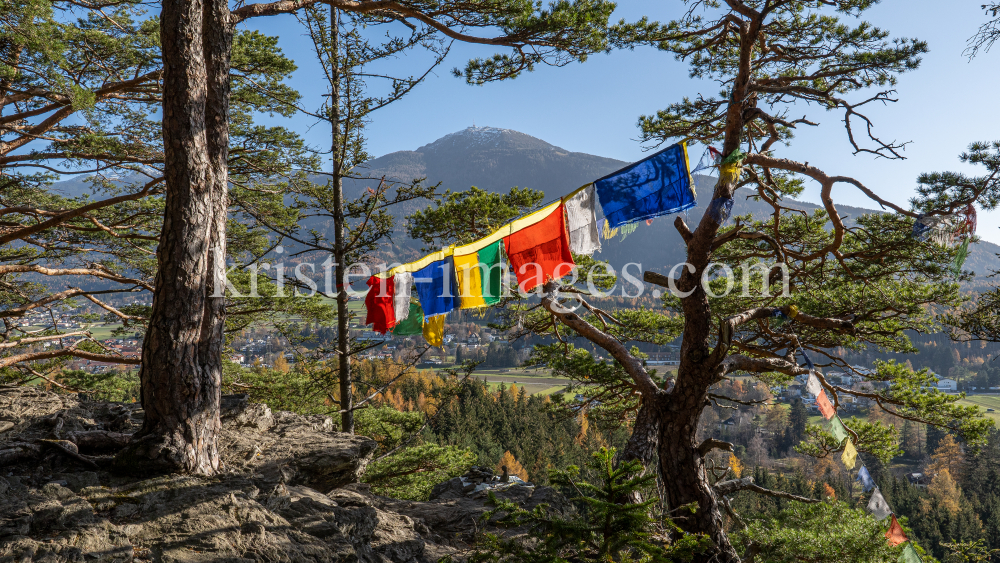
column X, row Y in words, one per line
column 656, row 185
column 825, row 407
column 581, row 215
column 867, row 483
column 479, row 274
column 909, row 554
column 878, row 507
column 434, row 330
column 850, row 455
column 402, row 284
column 813, row 385
column 895, row 533
column 412, row 324
column 379, row 303
column 540, row 251
column 837, row 429
column 434, row 281
column 608, row 232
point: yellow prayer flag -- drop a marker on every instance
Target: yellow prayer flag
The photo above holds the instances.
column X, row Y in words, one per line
column 434, row 330
column 469, row 279
column 850, row 454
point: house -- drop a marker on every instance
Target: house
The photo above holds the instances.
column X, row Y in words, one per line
column 918, row 479
column 947, row 385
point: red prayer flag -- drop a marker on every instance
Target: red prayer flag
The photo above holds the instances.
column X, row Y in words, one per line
column 895, row 534
column 825, row 407
column 540, row 252
column 379, row 303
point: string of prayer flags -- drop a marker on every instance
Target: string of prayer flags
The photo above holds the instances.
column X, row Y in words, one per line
column 539, row 246
column 412, row 324
column 433, row 330
column 895, row 533
column 479, row 274
column 581, row 215
column 825, row 407
column 540, row 251
column 909, row 554
column 656, row 185
column 813, row 385
column 379, row 304
column 402, row 284
column 837, row 429
column 865, row 478
column 878, row 507
column 850, row 455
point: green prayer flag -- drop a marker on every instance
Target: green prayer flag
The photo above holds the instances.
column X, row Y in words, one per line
column 492, row 281
column 837, row 429
column 909, row 554
column 412, row 324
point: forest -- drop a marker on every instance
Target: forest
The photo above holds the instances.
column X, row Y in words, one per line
column 807, row 384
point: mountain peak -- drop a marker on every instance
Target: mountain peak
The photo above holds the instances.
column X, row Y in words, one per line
column 486, row 138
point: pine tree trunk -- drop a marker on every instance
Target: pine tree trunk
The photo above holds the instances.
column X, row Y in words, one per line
column 685, row 481
column 339, row 252
column 182, row 352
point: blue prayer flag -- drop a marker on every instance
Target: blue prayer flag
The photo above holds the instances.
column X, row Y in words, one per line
column 656, row 185
column 436, row 288
column 866, row 479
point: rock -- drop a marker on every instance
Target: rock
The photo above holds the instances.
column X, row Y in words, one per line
column 267, row 505
column 293, row 449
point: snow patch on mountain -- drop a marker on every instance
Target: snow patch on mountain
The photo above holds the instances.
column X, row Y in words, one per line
column 484, row 138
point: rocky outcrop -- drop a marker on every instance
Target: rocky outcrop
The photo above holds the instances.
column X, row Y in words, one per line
column 288, row 493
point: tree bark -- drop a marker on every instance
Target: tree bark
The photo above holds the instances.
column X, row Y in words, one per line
column 182, row 352
column 339, row 251
column 685, row 481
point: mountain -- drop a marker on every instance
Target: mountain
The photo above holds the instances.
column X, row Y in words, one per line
column 494, row 160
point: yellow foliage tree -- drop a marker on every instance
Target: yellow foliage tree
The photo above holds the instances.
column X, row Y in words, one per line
column 281, row 364
column 513, row 466
column 735, row 465
column 945, row 493
column 829, row 492
column 948, row 456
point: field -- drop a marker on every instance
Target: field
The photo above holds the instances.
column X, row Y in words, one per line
column 984, row 402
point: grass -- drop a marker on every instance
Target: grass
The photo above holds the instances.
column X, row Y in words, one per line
column 984, row 402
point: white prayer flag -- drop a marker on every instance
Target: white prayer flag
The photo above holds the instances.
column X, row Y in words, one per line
column 581, row 214
column 878, row 507
column 813, row 385
column 403, row 283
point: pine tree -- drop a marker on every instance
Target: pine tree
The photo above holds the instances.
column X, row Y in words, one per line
column 603, row 528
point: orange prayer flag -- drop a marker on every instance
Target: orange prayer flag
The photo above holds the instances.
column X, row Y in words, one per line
column 825, row 407
column 895, row 534
column 540, row 252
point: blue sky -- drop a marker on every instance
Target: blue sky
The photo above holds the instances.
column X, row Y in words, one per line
column 593, row 107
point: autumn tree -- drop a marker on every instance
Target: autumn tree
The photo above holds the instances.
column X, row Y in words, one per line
column 948, row 456
column 852, row 283
column 513, row 467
